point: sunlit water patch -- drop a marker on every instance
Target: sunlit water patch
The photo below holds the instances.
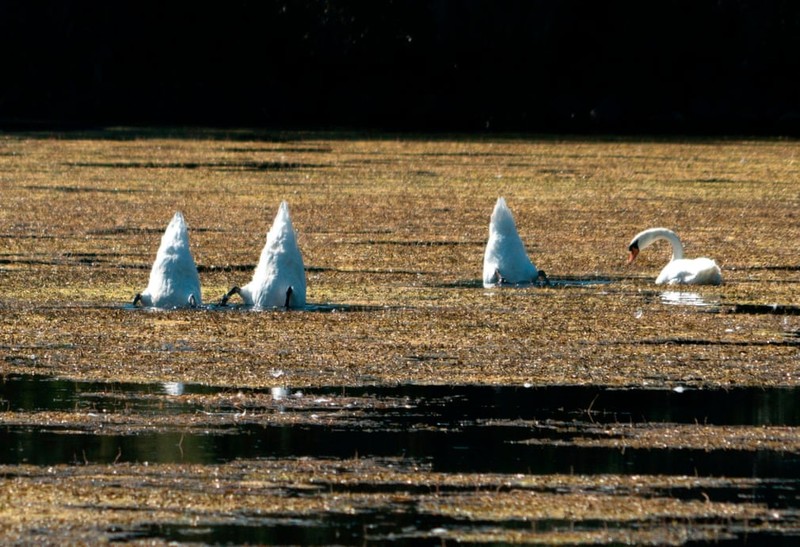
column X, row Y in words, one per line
column 688, row 298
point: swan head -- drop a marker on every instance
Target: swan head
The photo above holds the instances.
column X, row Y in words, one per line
column 644, row 239
column 633, row 250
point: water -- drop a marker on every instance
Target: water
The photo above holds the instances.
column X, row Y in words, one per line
column 450, row 429
column 686, row 298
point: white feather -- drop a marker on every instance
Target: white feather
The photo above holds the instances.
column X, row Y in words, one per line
column 280, row 267
column 679, row 270
column 505, row 254
column 174, row 282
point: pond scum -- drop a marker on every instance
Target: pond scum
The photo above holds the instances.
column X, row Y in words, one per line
column 392, row 231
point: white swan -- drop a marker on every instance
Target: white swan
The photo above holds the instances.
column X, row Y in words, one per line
column 280, row 277
column 505, row 260
column 174, row 282
column 682, row 271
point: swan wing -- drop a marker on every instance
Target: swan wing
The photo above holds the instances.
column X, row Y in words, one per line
column 695, row 271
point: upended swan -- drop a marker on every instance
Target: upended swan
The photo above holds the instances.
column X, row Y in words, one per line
column 280, row 277
column 505, row 261
column 679, row 271
column 174, row 282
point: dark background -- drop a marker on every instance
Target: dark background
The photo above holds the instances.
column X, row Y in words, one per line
column 711, row 67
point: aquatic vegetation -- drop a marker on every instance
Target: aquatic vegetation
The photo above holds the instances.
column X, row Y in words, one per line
column 393, row 231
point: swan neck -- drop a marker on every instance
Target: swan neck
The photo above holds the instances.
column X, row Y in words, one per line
column 677, row 247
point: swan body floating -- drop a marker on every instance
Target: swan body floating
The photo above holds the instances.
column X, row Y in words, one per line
column 174, row 282
column 679, row 271
column 280, row 277
column 505, row 261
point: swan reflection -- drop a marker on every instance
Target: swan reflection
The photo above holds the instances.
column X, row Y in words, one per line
column 684, row 298
column 172, row 388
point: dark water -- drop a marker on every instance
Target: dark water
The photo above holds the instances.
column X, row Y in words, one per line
column 363, row 530
column 451, row 428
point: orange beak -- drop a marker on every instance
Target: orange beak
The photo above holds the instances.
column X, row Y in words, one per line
column 633, row 254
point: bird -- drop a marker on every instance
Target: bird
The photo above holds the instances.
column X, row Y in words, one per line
column 279, row 279
column 174, row 282
column 505, row 261
column 679, row 270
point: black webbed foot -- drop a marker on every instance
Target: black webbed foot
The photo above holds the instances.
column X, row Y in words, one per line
column 137, row 298
column 224, row 300
column 289, row 292
column 542, row 280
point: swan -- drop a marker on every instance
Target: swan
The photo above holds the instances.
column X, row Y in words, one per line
column 280, row 277
column 682, row 271
column 174, row 282
column 505, row 260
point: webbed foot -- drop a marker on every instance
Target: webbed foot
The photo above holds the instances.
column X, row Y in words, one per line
column 542, row 280
column 289, row 292
column 224, row 300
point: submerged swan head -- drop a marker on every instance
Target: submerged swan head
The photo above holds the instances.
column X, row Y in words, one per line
column 280, row 277
column 174, row 282
column 505, row 260
column 679, row 270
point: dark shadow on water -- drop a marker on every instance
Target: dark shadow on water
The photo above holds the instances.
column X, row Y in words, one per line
column 282, row 150
column 327, row 530
column 218, row 166
column 81, row 189
column 27, row 393
column 317, row 308
column 418, row 243
column 766, row 309
column 450, row 427
column 677, row 341
column 462, row 451
column 552, row 283
column 458, row 404
column 404, row 526
column 214, row 306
